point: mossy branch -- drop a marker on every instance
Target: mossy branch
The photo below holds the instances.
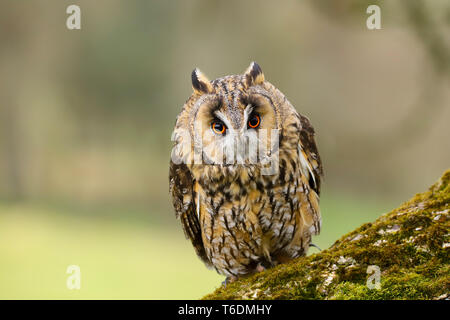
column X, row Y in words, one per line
column 410, row 246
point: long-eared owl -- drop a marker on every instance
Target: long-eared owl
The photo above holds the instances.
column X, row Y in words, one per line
column 244, row 174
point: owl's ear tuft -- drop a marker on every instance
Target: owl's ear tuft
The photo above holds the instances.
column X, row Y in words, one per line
column 254, row 74
column 200, row 82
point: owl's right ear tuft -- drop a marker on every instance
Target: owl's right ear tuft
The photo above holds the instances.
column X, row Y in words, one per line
column 254, row 74
column 200, row 82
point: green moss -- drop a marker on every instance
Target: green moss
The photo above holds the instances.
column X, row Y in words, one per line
column 410, row 245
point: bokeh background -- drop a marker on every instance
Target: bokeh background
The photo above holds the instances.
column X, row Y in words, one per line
column 86, row 118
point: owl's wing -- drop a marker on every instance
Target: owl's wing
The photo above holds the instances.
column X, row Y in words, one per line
column 312, row 171
column 183, row 198
column 312, row 154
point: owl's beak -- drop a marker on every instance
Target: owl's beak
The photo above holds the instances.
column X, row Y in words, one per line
column 246, row 147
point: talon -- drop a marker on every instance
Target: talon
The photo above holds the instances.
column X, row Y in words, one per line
column 313, row 245
column 228, row 280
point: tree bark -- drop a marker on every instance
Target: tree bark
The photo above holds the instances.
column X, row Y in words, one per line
column 404, row 254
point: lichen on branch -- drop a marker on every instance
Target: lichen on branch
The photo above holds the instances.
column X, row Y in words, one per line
column 409, row 246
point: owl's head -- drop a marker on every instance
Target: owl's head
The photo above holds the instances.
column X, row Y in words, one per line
column 235, row 117
column 230, row 124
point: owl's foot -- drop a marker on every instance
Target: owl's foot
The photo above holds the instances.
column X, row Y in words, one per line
column 260, row 268
column 228, row 280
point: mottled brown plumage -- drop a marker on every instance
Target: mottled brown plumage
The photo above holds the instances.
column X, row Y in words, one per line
column 239, row 219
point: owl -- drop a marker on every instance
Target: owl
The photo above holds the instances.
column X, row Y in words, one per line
column 245, row 174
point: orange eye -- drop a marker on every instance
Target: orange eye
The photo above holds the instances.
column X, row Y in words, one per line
column 218, row 127
column 254, row 121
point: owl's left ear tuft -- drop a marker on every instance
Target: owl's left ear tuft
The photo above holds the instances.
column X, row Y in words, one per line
column 254, row 74
column 200, row 82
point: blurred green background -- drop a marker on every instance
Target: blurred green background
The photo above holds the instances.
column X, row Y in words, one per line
column 86, row 118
